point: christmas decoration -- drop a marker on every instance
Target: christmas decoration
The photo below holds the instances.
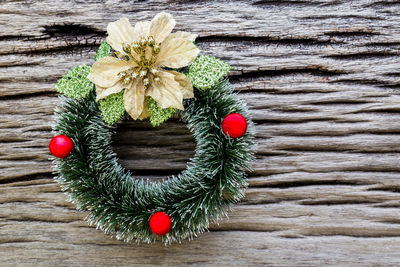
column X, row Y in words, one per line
column 207, row 71
column 143, row 53
column 75, row 83
column 61, row 146
column 116, row 202
column 234, row 125
column 160, row 223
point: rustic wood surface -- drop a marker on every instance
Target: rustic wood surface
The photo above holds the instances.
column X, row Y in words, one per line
column 321, row 79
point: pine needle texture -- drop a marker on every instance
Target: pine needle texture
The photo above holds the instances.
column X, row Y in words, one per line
column 121, row 205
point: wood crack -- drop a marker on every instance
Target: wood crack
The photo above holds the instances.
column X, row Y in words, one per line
column 252, row 40
column 317, row 71
column 363, row 55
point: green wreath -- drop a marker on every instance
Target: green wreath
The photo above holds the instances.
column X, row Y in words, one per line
column 129, row 208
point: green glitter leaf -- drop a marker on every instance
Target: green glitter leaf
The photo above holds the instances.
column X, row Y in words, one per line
column 75, row 84
column 207, row 71
column 103, row 50
column 158, row 115
column 112, row 107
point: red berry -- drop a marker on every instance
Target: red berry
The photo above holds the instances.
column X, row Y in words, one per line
column 234, row 125
column 61, row 146
column 160, row 223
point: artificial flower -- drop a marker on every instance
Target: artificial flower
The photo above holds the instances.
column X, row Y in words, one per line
column 143, row 52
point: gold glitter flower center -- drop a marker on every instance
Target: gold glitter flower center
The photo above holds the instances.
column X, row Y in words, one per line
column 144, row 53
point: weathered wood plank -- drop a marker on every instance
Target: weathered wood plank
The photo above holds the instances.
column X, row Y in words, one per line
column 321, row 79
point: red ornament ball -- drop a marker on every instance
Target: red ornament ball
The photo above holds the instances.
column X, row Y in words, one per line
column 160, row 223
column 61, row 146
column 234, row 125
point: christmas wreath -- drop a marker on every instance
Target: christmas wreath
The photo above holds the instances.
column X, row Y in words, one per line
column 143, row 72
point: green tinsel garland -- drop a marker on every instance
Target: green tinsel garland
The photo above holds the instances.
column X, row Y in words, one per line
column 122, row 205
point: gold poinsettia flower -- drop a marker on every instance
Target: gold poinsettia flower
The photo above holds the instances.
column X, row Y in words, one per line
column 143, row 52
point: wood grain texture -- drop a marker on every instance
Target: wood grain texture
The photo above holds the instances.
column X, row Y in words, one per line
column 321, row 79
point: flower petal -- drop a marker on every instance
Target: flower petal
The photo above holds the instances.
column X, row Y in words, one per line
column 99, row 90
column 145, row 113
column 161, row 26
column 102, row 92
column 142, row 28
column 177, row 53
column 134, row 98
column 120, row 32
column 168, row 93
column 185, row 83
column 185, row 35
column 105, row 71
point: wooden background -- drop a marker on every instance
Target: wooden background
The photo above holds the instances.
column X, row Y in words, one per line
column 321, row 79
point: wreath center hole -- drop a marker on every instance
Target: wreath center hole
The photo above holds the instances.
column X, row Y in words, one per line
column 153, row 153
